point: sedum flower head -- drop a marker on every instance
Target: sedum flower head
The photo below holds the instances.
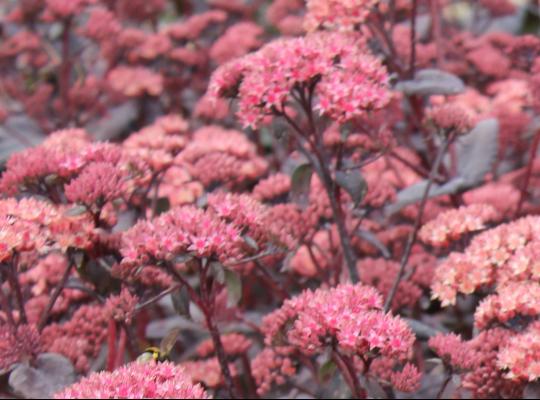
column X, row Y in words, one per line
column 350, row 314
column 136, row 381
column 337, row 14
column 348, row 80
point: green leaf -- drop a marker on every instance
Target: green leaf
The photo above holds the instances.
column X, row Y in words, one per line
column 234, row 287
column 300, row 185
column 354, row 183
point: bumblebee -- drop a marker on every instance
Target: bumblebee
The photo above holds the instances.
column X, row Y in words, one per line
column 161, row 353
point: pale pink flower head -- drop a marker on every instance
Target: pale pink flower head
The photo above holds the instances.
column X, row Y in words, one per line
column 207, row 372
column 136, row 380
column 98, row 183
column 234, row 344
column 521, row 355
column 337, row 14
column 408, row 379
column 450, row 118
column 449, row 226
column 135, row 81
column 18, row 344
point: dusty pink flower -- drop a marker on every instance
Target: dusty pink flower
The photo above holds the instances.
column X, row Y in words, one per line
column 337, row 14
column 453, row 224
column 121, row 307
column 270, row 367
column 273, row 187
column 102, row 24
column 207, row 372
column 98, row 183
column 219, row 155
column 237, row 40
column 506, row 253
column 450, row 118
column 486, row 379
column 381, row 274
column 192, row 27
column 157, row 144
column 351, row 314
column 135, row 81
column 514, row 300
column 136, row 381
column 520, row 355
column 284, row 15
column 408, row 379
column 37, row 225
column 20, row 344
column 80, row 338
column 348, row 80
column 234, row 344
column 179, row 231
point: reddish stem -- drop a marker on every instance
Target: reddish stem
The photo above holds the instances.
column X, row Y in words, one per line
column 528, row 172
column 111, row 343
column 412, row 60
column 57, row 290
column 349, row 374
column 65, row 70
column 120, row 350
column 417, row 223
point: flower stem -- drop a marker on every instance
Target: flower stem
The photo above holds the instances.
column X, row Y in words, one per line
column 417, row 223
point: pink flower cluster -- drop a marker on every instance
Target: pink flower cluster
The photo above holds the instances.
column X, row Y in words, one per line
column 506, row 253
column 270, row 367
column 349, row 314
column 20, row 344
column 180, row 231
column 451, row 225
column 450, row 118
column 135, row 81
column 337, row 14
column 37, row 225
column 520, row 356
column 234, row 344
column 348, row 80
column 80, row 338
column 220, row 155
column 136, row 381
column 207, row 372
column 157, row 144
column 513, row 300
column 479, row 363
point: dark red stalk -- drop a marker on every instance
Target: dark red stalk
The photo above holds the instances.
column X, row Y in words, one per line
column 16, row 287
column 111, row 344
column 121, row 349
column 417, row 223
column 65, row 71
column 412, row 60
column 349, row 374
column 57, row 290
column 528, row 173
